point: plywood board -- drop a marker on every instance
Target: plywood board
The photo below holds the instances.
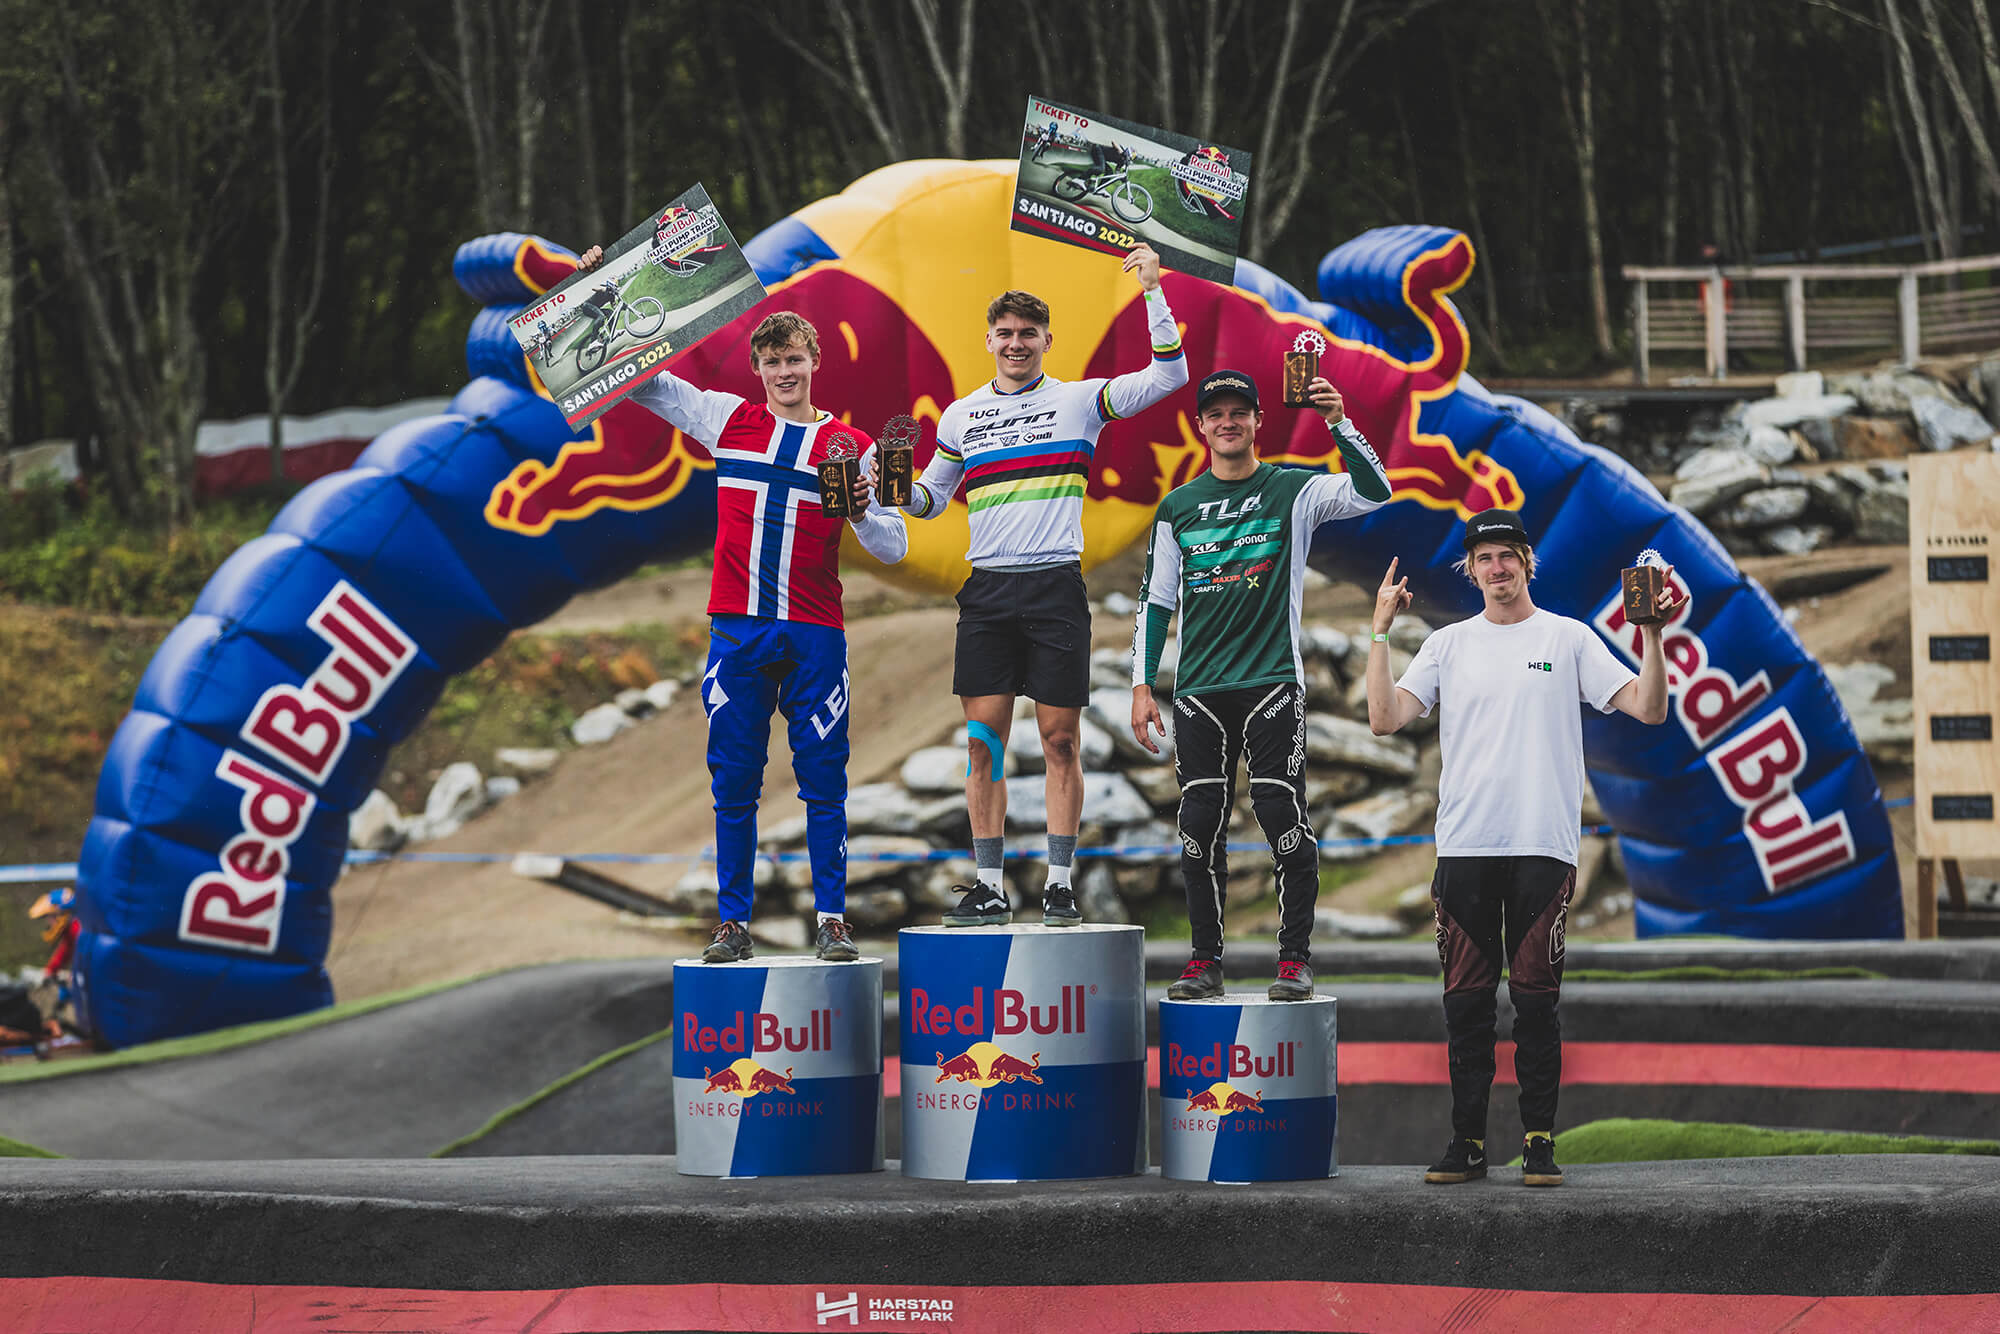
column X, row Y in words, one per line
column 1954, row 626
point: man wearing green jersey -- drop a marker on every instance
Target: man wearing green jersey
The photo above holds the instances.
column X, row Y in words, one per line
column 1229, row 549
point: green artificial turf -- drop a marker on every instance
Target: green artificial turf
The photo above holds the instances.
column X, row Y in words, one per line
column 13, row 1148
column 1627, row 1140
column 507, row 1114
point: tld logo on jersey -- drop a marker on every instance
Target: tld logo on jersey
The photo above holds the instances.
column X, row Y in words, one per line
column 1221, row 509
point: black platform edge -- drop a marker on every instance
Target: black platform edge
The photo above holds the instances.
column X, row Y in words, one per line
column 1824, row 1226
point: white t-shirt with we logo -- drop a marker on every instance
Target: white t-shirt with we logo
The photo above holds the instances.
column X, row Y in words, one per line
column 1511, row 730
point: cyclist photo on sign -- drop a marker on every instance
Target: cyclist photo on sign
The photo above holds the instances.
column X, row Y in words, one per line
column 1108, row 185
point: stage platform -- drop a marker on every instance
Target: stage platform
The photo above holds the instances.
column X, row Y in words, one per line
column 600, row 1244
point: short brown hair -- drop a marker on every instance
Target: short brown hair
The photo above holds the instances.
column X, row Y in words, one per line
column 1026, row 305
column 779, row 330
column 1526, row 554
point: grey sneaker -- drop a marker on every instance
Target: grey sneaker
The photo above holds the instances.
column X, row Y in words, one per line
column 1059, row 906
column 1295, row 982
column 835, row 942
column 1200, row 980
column 729, row 944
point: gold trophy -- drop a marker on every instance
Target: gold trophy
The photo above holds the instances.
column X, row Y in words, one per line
column 896, row 447
column 1643, row 583
column 1302, row 368
column 839, row 473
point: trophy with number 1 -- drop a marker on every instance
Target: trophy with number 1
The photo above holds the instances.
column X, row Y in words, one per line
column 1302, row 368
column 897, row 449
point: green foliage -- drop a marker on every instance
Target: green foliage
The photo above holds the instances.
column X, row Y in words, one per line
column 1627, row 1140
column 13, row 1148
column 60, row 552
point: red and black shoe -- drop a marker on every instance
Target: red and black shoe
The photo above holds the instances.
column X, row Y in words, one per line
column 1295, row 982
column 730, row 943
column 1200, row 980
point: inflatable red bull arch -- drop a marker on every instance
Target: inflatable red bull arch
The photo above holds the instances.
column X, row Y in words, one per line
column 266, row 716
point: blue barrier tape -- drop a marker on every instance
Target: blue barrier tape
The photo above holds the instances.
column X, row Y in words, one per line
column 65, row 872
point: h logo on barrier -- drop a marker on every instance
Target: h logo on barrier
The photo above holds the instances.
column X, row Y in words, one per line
column 849, row 1306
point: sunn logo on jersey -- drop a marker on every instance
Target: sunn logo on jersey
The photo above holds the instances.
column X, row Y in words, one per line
column 1756, row 768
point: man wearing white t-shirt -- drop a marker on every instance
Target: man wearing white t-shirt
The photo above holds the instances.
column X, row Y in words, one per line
column 1510, row 801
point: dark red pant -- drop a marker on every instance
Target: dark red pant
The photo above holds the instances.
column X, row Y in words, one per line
column 1482, row 904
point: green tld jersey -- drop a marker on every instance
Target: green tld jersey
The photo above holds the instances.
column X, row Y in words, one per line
column 1232, row 557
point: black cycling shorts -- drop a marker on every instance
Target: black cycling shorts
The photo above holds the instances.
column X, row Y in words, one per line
column 1025, row 632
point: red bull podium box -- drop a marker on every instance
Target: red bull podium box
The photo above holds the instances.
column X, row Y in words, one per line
column 1247, row 1089
column 1023, row 1052
column 777, row 1067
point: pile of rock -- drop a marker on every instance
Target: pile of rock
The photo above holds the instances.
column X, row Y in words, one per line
column 1359, row 785
column 460, row 792
column 1821, row 460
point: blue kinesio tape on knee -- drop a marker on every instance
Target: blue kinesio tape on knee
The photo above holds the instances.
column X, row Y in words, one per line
column 982, row 733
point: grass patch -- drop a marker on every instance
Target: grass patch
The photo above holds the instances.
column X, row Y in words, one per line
column 1625, row 1140
column 227, row 1039
column 13, row 1148
column 502, row 1117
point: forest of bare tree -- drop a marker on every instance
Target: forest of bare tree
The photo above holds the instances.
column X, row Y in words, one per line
column 222, row 209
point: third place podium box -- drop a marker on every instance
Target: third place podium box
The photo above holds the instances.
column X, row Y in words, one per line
column 777, row 1067
column 1247, row 1089
column 1023, row 1052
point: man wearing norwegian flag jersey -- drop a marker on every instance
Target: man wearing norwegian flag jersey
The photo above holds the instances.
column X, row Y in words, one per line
column 776, row 635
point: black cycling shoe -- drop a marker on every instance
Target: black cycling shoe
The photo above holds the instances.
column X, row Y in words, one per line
column 1059, row 906
column 1538, row 1161
column 1295, row 982
column 981, row 906
column 1464, row 1160
column 1200, row 980
column 729, row 944
column 835, row 942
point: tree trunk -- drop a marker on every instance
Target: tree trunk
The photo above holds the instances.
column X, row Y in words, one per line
column 1670, row 184
column 587, row 131
column 1933, row 179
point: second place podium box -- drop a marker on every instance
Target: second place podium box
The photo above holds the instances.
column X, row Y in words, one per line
column 778, row 1067
column 1023, row 1052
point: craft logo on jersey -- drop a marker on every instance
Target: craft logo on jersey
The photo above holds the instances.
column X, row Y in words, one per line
column 1206, row 172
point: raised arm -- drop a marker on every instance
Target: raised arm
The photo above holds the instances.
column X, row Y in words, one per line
column 1645, row 697
column 1135, row 391
column 700, row 413
column 1390, row 707
column 1159, row 595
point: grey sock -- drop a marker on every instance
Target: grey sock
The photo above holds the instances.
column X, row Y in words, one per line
column 990, row 856
column 1062, row 851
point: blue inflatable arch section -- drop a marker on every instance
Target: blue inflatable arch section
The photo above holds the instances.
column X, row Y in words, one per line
column 266, row 716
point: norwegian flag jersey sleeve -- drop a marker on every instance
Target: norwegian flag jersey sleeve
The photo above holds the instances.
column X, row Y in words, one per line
column 699, row 413
column 776, row 554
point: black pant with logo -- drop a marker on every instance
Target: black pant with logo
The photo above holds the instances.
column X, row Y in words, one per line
column 1481, row 903
column 1211, row 733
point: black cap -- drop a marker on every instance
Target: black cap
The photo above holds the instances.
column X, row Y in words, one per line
column 1495, row 526
column 1224, row 382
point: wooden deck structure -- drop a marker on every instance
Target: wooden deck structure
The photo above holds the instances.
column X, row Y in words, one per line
column 1910, row 309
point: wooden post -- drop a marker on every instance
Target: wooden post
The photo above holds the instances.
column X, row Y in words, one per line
column 1926, row 899
column 1795, row 319
column 1642, row 348
column 1906, row 302
column 1717, row 330
column 1954, row 883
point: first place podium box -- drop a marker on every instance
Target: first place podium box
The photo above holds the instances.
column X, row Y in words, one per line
column 1023, row 1052
column 777, row 1067
column 1247, row 1089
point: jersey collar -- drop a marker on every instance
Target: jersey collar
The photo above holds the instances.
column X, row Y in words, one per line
column 1027, row 388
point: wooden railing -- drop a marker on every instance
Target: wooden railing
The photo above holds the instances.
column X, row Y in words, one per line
column 1930, row 309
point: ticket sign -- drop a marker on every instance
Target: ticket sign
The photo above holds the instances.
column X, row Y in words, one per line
column 1954, row 612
